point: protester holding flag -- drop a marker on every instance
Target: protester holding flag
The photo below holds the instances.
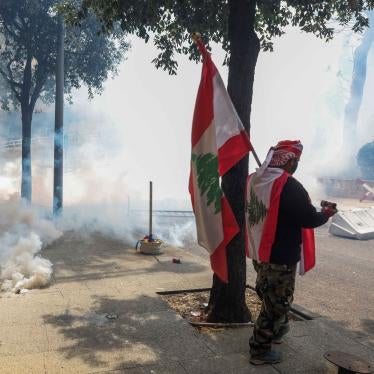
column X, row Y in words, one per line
column 279, row 225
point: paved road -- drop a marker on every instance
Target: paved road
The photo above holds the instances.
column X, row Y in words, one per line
column 341, row 286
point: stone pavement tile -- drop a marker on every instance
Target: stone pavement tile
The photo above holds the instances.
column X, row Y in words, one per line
column 22, row 364
column 143, row 283
column 39, row 308
column 107, row 267
column 160, row 279
column 130, row 358
column 103, row 285
column 135, row 262
column 28, row 306
column 165, row 368
column 188, row 266
column 128, row 302
column 226, row 364
column 81, row 361
column 192, row 281
column 79, row 300
column 163, row 343
column 228, row 341
column 186, row 346
column 68, row 276
column 296, row 362
column 367, row 341
column 22, row 339
column 67, row 287
column 157, row 325
column 90, row 331
column 164, row 332
column 318, row 336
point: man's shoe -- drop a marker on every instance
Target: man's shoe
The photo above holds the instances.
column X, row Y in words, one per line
column 269, row 357
column 278, row 339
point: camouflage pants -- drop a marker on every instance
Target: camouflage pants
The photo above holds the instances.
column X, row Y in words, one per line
column 275, row 285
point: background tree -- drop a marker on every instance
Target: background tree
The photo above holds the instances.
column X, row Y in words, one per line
column 353, row 106
column 28, row 39
column 365, row 160
column 242, row 27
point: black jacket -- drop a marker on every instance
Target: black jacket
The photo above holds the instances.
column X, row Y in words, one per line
column 295, row 212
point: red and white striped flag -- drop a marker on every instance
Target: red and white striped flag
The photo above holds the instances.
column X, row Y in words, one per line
column 219, row 141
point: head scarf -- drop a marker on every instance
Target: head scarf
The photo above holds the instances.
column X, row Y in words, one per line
column 285, row 151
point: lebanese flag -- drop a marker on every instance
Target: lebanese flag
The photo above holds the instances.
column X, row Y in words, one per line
column 219, row 141
column 263, row 192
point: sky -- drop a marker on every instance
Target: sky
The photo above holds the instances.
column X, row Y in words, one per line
column 139, row 129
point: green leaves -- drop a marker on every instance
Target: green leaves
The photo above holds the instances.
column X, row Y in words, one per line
column 28, row 29
column 256, row 209
column 365, row 160
column 208, row 179
column 170, row 22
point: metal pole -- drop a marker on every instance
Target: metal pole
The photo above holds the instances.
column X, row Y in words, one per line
column 59, row 122
column 150, row 210
column 255, row 156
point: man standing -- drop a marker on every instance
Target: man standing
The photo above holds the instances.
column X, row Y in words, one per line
column 279, row 223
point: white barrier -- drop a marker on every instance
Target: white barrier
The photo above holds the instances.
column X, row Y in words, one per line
column 354, row 223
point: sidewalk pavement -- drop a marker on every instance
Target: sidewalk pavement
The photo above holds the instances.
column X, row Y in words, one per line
column 64, row 328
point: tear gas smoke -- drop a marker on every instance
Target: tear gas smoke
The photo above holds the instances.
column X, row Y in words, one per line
column 22, row 233
column 139, row 130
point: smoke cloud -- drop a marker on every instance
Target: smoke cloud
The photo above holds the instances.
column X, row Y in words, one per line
column 139, row 130
column 22, row 234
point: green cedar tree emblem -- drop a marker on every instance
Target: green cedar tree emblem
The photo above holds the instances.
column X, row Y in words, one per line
column 208, row 178
column 256, row 209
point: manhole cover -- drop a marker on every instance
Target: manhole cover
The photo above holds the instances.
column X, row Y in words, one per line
column 349, row 363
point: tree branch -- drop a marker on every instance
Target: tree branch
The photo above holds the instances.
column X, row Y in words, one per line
column 27, row 77
column 12, row 84
column 10, row 32
column 11, row 74
column 40, row 81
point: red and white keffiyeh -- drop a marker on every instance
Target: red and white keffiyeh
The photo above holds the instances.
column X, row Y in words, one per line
column 284, row 151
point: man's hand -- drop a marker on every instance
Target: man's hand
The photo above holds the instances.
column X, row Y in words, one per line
column 328, row 208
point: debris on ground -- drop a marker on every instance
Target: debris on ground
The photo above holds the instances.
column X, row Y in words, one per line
column 111, row 316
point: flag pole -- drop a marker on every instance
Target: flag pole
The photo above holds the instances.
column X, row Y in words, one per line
column 196, row 37
column 255, row 156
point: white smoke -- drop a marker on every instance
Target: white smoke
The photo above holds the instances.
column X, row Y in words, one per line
column 178, row 234
column 139, row 130
column 22, row 234
column 8, row 179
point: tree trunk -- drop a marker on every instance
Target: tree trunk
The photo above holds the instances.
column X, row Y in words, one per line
column 227, row 301
column 357, row 87
column 26, row 185
column 59, row 124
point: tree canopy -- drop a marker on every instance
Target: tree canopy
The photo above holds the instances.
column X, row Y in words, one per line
column 365, row 160
column 170, row 22
column 28, row 54
column 28, row 32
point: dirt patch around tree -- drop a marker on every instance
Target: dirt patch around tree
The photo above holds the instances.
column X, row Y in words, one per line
column 192, row 305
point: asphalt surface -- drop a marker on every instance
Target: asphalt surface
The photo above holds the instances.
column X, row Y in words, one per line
column 341, row 286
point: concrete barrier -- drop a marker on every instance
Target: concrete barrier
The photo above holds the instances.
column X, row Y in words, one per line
column 354, row 223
